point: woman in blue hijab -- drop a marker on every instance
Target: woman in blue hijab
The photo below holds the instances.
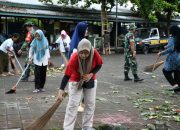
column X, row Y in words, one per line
column 79, row 33
column 39, row 52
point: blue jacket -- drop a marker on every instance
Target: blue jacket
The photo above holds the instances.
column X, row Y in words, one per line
column 173, row 59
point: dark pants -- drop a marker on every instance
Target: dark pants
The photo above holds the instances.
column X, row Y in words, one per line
column 40, row 76
column 173, row 77
column 4, row 62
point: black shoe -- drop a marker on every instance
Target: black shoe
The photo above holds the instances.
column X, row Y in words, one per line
column 24, row 79
column 127, row 79
column 176, row 89
column 138, row 80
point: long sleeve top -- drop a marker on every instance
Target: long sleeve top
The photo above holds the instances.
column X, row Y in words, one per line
column 173, row 59
column 7, row 44
column 44, row 60
column 72, row 71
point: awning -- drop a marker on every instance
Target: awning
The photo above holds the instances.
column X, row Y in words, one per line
column 57, row 12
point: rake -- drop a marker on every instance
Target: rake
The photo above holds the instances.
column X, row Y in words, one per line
column 13, row 89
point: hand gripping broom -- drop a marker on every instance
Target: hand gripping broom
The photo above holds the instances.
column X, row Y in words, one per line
column 39, row 123
column 13, row 89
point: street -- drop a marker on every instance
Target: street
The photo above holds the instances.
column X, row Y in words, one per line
column 131, row 105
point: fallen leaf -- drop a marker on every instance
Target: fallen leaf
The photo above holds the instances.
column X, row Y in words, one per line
column 176, row 118
column 29, row 98
column 177, row 110
column 115, row 91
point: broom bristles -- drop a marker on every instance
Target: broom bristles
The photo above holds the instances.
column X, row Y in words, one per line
column 39, row 123
column 153, row 67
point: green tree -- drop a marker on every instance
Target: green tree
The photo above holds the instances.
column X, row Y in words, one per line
column 156, row 10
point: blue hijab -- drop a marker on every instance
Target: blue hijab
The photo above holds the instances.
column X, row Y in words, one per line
column 39, row 46
column 78, row 35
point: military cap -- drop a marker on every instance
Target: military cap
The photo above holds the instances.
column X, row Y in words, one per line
column 132, row 27
column 29, row 23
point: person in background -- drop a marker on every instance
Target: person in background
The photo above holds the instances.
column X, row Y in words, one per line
column 2, row 34
column 39, row 52
column 81, row 75
column 63, row 42
column 5, row 48
column 80, row 32
column 130, row 55
column 25, row 47
column 16, row 45
column 171, row 69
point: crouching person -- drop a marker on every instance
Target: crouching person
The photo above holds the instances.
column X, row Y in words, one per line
column 81, row 74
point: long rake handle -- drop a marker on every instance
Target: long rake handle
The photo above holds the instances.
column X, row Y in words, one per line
column 64, row 58
column 155, row 63
column 18, row 61
column 22, row 74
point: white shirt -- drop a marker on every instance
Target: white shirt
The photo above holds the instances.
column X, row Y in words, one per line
column 44, row 60
column 7, row 44
column 60, row 41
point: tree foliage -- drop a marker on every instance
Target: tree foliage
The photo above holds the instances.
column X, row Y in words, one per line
column 155, row 10
column 151, row 10
column 88, row 3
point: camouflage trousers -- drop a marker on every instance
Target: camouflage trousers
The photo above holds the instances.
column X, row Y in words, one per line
column 130, row 63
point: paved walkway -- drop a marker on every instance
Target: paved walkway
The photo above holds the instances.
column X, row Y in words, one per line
column 113, row 104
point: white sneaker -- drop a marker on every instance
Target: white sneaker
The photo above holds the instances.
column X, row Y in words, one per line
column 36, row 91
column 42, row 90
column 62, row 65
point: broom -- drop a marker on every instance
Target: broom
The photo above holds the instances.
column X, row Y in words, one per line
column 13, row 89
column 39, row 123
column 151, row 68
column 17, row 61
column 64, row 58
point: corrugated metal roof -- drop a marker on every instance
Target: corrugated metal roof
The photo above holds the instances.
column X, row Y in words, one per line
column 31, row 2
column 20, row 9
column 23, row 12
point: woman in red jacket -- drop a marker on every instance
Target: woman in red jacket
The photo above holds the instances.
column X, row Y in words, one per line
column 81, row 75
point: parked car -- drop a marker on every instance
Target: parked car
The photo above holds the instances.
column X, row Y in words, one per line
column 148, row 39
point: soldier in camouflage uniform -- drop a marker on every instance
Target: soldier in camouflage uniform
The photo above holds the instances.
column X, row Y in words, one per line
column 130, row 55
column 26, row 46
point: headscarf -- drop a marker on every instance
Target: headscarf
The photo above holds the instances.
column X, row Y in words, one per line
column 40, row 46
column 78, row 35
column 63, row 32
column 85, row 64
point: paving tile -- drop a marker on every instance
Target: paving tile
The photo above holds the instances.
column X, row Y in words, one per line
column 2, row 118
column 13, row 117
column 19, row 109
column 14, row 124
column 3, row 125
